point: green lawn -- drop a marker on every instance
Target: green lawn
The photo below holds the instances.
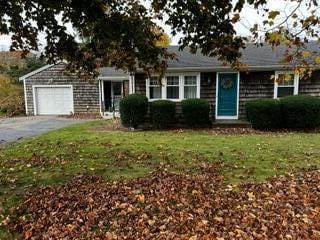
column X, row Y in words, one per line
column 55, row 157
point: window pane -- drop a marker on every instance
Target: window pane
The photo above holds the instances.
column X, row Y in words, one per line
column 190, row 91
column 285, row 91
column 173, row 92
column 286, row 79
column 173, row 80
column 154, row 81
column 173, row 87
column 190, row 80
column 155, row 92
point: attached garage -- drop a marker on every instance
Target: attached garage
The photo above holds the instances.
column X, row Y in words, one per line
column 52, row 90
column 53, row 100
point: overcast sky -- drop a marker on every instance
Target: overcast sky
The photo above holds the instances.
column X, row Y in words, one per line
column 249, row 17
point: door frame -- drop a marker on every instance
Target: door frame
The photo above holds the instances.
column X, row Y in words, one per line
column 112, row 91
column 34, row 89
column 111, row 81
column 217, row 94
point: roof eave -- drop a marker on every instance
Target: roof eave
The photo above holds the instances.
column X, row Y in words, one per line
column 24, row 77
column 228, row 68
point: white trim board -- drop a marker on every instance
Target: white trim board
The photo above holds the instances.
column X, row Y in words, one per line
column 25, row 96
column 217, row 94
column 24, row 77
column 226, row 69
column 39, row 70
column 114, row 79
column 100, row 98
column 101, row 89
column 50, row 86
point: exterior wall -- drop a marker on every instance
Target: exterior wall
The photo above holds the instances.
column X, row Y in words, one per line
column 208, row 90
column 85, row 93
column 310, row 85
column 253, row 85
column 140, row 83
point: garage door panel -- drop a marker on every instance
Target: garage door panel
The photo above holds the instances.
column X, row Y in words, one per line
column 54, row 100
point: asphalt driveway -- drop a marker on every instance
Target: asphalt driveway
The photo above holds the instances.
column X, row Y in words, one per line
column 13, row 129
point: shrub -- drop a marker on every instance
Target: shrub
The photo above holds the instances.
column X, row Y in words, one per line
column 301, row 111
column 162, row 113
column 264, row 113
column 195, row 112
column 133, row 110
column 11, row 97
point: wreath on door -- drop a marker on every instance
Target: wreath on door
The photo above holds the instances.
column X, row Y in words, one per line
column 227, row 83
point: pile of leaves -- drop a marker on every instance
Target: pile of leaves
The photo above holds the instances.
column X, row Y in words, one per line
column 164, row 205
column 86, row 115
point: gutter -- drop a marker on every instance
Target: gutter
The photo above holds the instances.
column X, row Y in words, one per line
column 228, row 68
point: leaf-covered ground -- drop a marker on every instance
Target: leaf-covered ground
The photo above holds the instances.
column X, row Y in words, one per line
column 163, row 205
column 101, row 150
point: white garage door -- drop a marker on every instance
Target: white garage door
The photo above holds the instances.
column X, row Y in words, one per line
column 53, row 100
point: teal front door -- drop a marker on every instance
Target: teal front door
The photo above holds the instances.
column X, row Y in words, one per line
column 227, row 98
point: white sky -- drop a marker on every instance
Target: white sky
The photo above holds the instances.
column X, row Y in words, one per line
column 249, row 17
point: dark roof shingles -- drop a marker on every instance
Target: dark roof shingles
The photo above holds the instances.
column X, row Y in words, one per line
column 252, row 55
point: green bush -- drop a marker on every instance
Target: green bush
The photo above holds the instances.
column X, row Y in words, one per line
column 264, row 113
column 195, row 112
column 162, row 113
column 133, row 110
column 301, row 111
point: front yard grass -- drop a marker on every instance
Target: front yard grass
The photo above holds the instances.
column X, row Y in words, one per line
column 58, row 156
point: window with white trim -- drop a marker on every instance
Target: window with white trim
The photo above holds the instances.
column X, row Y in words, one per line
column 155, row 88
column 190, row 86
column 286, row 84
column 175, row 87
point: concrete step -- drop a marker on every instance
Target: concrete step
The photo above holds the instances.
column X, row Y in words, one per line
column 231, row 124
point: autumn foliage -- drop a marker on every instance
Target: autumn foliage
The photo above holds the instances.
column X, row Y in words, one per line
column 11, row 97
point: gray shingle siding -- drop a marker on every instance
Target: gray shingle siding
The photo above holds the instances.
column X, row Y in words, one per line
column 311, row 85
column 253, row 85
column 85, row 93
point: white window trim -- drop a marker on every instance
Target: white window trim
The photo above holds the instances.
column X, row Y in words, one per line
column 148, row 88
column 181, row 86
column 191, row 85
column 295, row 82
